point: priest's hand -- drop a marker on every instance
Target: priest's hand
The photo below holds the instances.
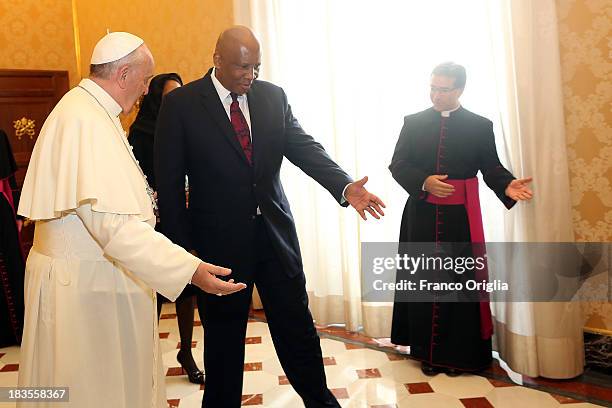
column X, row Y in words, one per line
column 518, row 189
column 434, row 185
column 206, row 279
column 362, row 200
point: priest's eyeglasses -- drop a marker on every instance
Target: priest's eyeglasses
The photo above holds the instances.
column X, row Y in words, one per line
column 435, row 89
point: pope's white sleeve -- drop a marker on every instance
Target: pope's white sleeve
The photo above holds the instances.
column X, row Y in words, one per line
column 134, row 244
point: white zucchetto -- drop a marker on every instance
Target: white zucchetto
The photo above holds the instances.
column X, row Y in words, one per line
column 114, row 46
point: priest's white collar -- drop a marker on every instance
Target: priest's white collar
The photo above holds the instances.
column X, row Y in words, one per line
column 446, row 113
column 107, row 101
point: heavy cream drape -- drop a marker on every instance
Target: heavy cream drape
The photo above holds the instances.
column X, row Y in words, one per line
column 352, row 70
column 536, row 339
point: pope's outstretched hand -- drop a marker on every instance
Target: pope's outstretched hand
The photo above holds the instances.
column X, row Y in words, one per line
column 206, row 279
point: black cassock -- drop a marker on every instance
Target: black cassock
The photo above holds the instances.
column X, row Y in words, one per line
column 12, row 264
column 443, row 334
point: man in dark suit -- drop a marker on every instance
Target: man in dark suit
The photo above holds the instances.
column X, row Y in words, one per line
column 229, row 133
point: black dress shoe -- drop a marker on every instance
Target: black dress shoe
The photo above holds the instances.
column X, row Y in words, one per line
column 430, row 370
column 195, row 375
column 453, row 372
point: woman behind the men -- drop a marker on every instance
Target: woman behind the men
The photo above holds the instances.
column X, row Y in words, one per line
column 141, row 138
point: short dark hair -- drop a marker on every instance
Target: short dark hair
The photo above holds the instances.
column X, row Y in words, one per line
column 451, row 70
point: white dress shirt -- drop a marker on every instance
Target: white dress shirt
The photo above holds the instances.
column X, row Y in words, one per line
column 226, row 101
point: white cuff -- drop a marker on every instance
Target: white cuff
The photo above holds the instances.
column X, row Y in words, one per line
column 344, row 200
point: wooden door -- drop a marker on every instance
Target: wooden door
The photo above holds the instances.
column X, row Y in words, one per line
column 26, row 99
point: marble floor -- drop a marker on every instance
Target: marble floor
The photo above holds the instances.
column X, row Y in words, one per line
column 359, row 372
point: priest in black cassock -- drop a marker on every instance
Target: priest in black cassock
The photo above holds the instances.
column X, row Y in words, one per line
column 437, row 157
column 12, row 264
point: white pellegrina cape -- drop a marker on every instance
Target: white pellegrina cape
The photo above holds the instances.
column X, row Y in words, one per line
column 96, row 262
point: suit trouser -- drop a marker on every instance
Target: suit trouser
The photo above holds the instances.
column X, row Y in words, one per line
column 293, row 333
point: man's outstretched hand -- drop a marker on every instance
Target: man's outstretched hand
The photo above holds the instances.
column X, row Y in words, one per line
column 362, row 200
column 206, row 279
column 518, row 189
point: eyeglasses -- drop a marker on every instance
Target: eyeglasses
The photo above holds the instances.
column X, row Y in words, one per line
column 435, row 89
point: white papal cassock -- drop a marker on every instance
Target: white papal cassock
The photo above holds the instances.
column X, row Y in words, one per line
column 90, row 320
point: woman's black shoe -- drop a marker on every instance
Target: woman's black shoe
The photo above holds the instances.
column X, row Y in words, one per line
column 196, row 376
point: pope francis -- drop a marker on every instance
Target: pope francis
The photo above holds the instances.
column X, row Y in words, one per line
column 96, row 262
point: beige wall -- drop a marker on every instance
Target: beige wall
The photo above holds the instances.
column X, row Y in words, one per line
column 61, row 34
column 40, row 34
column 37, row 34
column 181, row 35
column 586, row 64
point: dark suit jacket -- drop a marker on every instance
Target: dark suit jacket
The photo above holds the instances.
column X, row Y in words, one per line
column 194, row 136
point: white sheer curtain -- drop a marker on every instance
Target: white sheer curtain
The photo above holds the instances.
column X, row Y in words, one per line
column 352, row 70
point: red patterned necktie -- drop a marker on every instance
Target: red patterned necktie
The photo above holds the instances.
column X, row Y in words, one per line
column 241, row 127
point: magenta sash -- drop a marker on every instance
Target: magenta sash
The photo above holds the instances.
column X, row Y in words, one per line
column 466, row 193
column 5, row 188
